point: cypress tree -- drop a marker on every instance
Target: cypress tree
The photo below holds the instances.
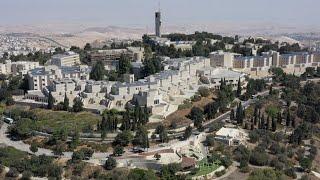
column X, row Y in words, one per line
column 270, row 90
column 262, row 122
column 239, row 88
column 288, row 118
column 274, row 124
column 232, row 115
column 268, row 123
column 65, row 103
column 50, row 101
column 293, row 123
column 279, row 118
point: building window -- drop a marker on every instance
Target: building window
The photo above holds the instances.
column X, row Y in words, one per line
column 156, row 101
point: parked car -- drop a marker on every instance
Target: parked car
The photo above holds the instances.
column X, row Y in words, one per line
column 8, row 120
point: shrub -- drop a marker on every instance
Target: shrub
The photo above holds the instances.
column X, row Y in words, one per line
column 123, row 138
column 173, row 125
column 210, row 140
column 290, row 152
column 195, row 98
column 13, row 172
column 204, row 91
column 276, row 164
column 226, row 161
column 78, row 168
column 275, row 148
column 241, row 153
column 244, row 166
column 220, row 173
column 265, row 174
column 254, row 136
column 118, row 150
column 33, row 147
column 55, row 171
column 258, row 158
column 305, row 163
column 77, row 156
column 110, row 163
column 26, row 175
column 291, row 173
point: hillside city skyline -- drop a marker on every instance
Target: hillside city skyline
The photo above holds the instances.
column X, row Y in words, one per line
column 132, row 13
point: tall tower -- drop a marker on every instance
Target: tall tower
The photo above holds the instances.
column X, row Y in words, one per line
column 158, row 23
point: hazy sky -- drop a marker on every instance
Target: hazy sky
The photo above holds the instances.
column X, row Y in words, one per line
column 140, row 12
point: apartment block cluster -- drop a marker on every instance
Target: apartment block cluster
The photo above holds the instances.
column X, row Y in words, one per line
column 17, row 68
column 162, row 92
column 265, row 61
column 20, row 44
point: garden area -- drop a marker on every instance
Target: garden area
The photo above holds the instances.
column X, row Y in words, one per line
column 204, row 167
column 49, row 121
column 52, row 120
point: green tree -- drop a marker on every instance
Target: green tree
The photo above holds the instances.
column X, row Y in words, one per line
column 50, row 101
column 33, row 147
column 55, row 171
column 110, row 164
column 87, row 47
column 123, row 138
column 232, row 115
column 77, row 156
column 26, row 175
column 239, row 88
column 274, row 124
column 65, row 103
column 75, row 139
column 77, row 105
column 98, row 71
column 163, row 134
column 204, row 91
column 288, row 119
column 58, row 150
column 141, row 138
column 187, row 133
column 118, row 150
column 22, row 129
column 196, row 115
column 258, row 158
column 210, row 140
column 305, row 163
column 124, row 64
column 240, row 113
column 169, row 171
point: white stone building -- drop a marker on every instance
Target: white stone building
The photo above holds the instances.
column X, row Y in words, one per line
column 42, row 77
column 231, row 136
column 17, row 68
column 66, row 59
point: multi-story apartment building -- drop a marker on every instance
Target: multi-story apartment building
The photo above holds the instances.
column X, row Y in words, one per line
column 222, row 59
column 110, row 58
column 42, row 77
column 17, row 68
column 264, row 62
column 66, row 59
